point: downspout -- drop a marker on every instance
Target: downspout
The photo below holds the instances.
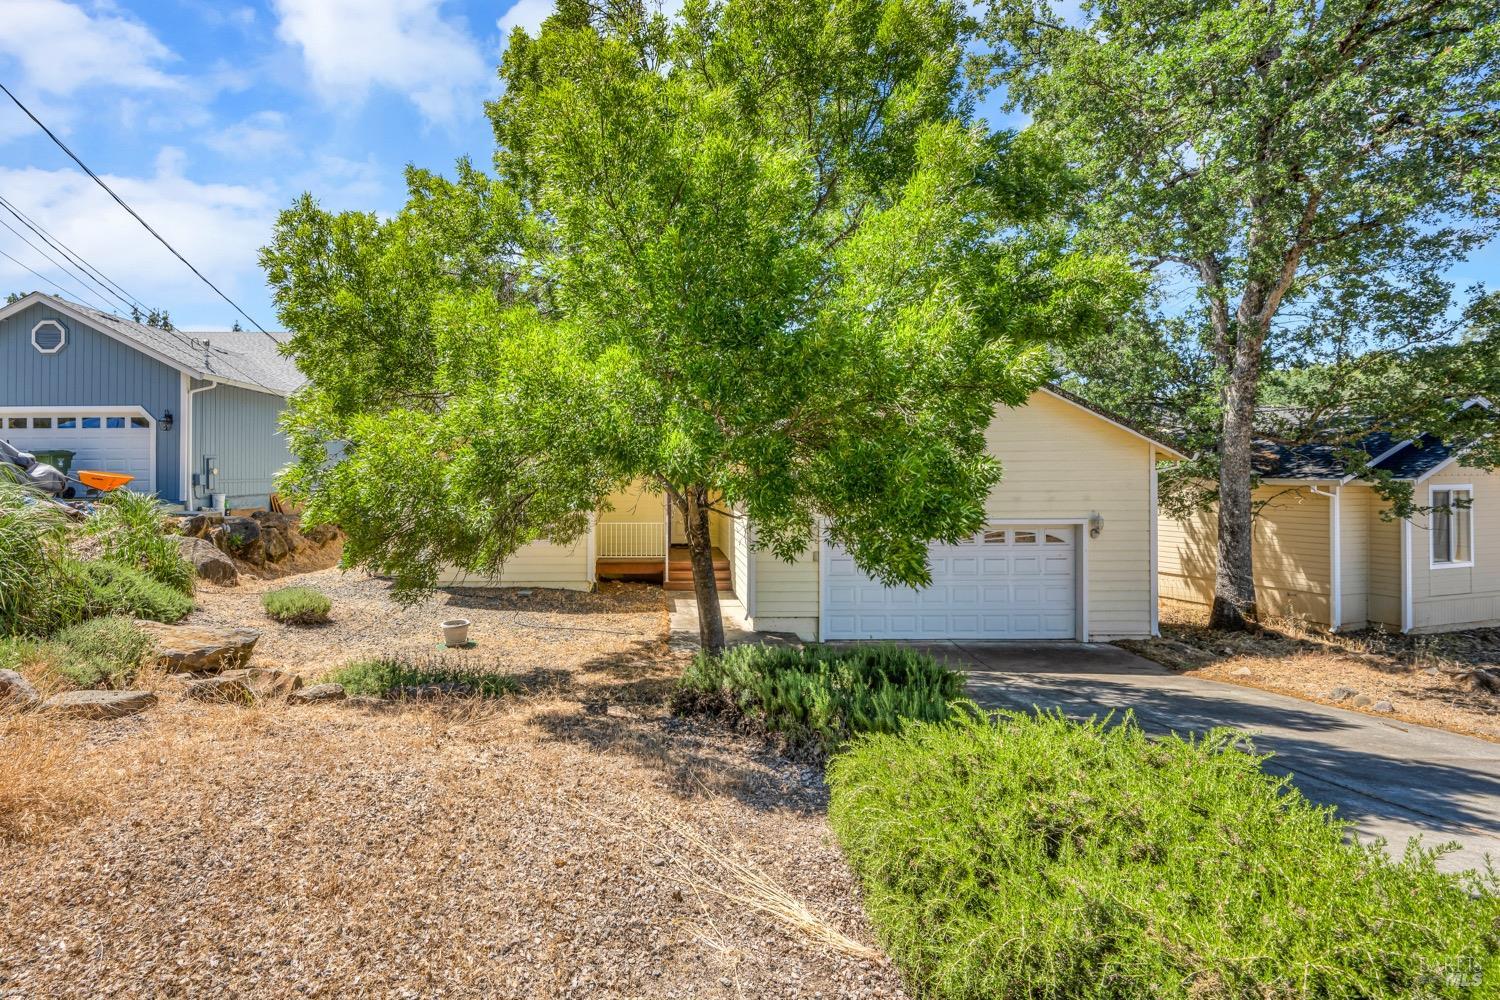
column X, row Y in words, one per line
column 1335, row 556
column 187, row 438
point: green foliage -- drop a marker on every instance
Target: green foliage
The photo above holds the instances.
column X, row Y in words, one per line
column 1313, row 171
column 821, row 696
column 134, row 531
column 383, row 675
column 297, row 605
column 109, row 588
column 1029, row 856
column 763, row 253
column 34, row 567
column 101, row 651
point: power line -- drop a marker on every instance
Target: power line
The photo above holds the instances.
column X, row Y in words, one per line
column 58, row 264
column 34, row 271
column 100, row 278
column 136, row 215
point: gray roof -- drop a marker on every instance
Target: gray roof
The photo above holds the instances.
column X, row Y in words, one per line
column 250, row 359
column 1410, row 459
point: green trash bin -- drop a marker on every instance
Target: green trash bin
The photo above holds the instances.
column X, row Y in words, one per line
column 59, row 459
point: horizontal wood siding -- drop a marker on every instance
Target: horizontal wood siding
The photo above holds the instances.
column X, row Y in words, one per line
column 1354, row 555
column 238, row 428
column 739, row 561
column 1293, row 574
column 1383, row 597
column 1452, row 598
column 92, row 369
column 540, row 564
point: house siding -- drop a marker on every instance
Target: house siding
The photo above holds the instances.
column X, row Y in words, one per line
column 238, row 428
column 1354, row 555
column 1466, row 597
column 540, row 564
column 1292, row 558
column 739, row 562
column 93, row 369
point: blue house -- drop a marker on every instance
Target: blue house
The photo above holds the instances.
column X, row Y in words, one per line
column 189, row 415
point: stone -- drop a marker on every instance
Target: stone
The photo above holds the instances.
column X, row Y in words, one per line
column 1242, row 672
column 316, row 693
column 240, row 537
column 1341, row 694
column 199, row 649
column 97, row 705
column 225, row 689
column 200, row 524
column 279, row 534
column 1382, row 706
column 1363, row 701
column 16, row 692
column 278, row 545
column 264, row 682
column 319, row 534
column 208, row 562
column 368, row 702
column 1432, row 671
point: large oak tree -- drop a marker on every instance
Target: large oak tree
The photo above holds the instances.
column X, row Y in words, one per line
column 762, row 256
column 1303, row 173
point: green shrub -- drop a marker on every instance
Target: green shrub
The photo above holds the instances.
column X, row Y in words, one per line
column 819, row 696
column 386, row 674
column 297, row 606
column 101, row 651
column 34, row 565
column 134, row 532
column 110, row 588
column 1041, row 858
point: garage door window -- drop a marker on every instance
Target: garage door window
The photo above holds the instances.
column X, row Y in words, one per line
column 17, row 423
column 1026, row 538
column 91, row 423
column 41, row 423
column 996, row 537
column 67, row 423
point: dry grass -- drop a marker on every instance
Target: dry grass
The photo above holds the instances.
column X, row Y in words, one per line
column 46, row 782
column 537, row 845
column 1428, row 680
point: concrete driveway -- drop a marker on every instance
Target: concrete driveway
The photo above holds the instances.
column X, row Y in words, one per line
column 1391, row 779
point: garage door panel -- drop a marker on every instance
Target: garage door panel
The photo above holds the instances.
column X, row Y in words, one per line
column 1008, row 583
column 105, row 442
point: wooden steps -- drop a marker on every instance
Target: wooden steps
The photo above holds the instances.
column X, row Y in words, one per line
column 649, row 570
column 681, row 575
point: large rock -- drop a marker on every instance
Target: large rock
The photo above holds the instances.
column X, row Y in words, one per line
column 98, row 704
column 201, row 523
column 199, row 649
column 280, row 534
column 319, row 534
column 221, row 688
column 16, row 692
column 208, row 562
column 240, row 537
column 317, row 693
column 264, row 682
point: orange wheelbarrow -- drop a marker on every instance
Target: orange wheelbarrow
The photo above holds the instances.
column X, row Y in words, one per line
column 104, row 482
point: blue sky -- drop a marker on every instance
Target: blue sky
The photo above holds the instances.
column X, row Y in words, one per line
column 209, row 117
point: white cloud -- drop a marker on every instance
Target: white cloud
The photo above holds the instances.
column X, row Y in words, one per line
column 219, row 227
column 61, row 48
column 260, row 134
column 528, row 14
column 350, row 46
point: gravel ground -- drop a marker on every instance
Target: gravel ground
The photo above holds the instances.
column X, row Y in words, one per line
column 1419, row 676
column 572, row 841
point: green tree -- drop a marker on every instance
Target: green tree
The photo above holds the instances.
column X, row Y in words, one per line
column 1310, row 170
column 762, row 257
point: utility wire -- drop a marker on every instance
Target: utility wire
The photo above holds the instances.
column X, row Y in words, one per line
column 35, row 272
column 136, row 215
column 99, row 277
column 59, row 265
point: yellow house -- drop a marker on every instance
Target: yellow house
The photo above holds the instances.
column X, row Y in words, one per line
column 1068, row 553
column 1326, row 549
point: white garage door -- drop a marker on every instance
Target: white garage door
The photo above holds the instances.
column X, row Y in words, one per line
column 1012, row 582
column 102, row 440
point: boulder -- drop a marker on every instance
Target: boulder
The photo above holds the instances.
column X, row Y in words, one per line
column 278, row 544
column 264, row 682
column 368, row 702
column 224, row 689
column 98, row 704
column 279, row 534
column 200, row 524
column 208, row 562
column 200, row 649
column 240, row 537
column 316, row 693
column 1382, row 706
column 1341, row 694
column 1363, row 701
column 1242, row 672
column 319, row 534
column 16, row 691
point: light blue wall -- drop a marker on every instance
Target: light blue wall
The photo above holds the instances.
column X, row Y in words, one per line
column 92, row 370
column 238, row 427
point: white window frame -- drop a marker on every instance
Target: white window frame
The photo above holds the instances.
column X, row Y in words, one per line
column 62, row 336
column 1432, row 492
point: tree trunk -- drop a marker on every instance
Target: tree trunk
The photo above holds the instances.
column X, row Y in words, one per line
column 1234, row 582
column 693, row 504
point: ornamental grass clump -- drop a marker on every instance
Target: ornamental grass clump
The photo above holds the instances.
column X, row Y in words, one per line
column 297, row 606
column 817, row 697
column 1029, row 856
column 397, row 676
column 133, row 530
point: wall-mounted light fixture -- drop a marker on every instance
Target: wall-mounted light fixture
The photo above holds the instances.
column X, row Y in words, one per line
column 166, row 421
column 1096, row 524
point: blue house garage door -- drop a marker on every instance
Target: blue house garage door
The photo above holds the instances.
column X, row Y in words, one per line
column 1011, row 582
column 102, row 440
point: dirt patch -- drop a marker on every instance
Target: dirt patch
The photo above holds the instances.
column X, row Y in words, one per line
column 1439, row 681
column 572, row 841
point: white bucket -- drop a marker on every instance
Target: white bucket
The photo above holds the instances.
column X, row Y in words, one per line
column 216, row 501
column 456, row 632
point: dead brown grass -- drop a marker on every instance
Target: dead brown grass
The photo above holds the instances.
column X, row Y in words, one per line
column 45, row 782
column 1428, row 680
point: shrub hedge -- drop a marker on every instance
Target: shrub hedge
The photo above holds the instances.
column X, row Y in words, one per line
column 383, row 675
column 817, row 697
column 110, row 588
column 100, row 652
column 297, row 606
column 1028, row 856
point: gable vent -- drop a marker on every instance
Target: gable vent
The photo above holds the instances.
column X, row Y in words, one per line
column 49, row 336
